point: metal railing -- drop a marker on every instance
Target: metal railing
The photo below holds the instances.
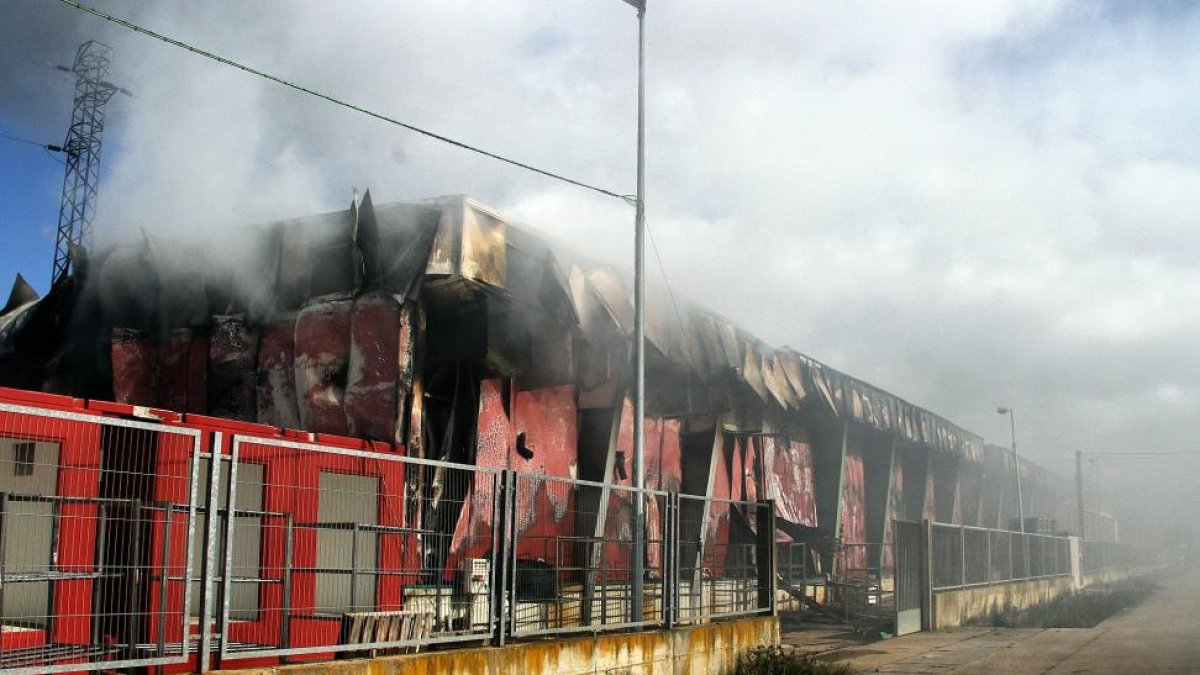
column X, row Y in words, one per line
column 90, row 510
column 127, row 544
column 360, row 551
column 582, row 582
column 794, row 563
column 724, row 560
column 862, row 581
column 1106, row 555
column 964, row 556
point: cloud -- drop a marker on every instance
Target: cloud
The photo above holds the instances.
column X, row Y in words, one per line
column 968, row 204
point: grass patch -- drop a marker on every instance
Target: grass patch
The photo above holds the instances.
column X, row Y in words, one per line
column 774, row 661
column 1082, row 610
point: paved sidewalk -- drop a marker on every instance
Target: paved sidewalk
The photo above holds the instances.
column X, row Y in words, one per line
column 1160, row 635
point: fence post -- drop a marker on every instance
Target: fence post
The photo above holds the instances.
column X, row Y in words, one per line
column 163, row 584
column 766, row 555
column 668, row 560
column 210, row 541
column 989, row 557
column 3, row 546
column 928, row 622
column 500, row 549
column 962, row 559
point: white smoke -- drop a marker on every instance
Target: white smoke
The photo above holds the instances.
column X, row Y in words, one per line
column 968, row 204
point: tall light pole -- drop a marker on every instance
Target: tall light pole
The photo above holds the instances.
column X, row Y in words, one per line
column 639, row 331
column 1012, row 422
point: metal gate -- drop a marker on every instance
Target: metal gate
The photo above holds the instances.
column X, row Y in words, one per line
column 910, row 577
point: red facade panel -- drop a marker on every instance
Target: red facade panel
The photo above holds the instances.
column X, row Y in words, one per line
column 134, row 366
column 183, row 371
column 322, row 357
column 716, row 536
column 789, row 479
column 545, row 509
column 379, row 350
column 276, row 392
column 854, row 509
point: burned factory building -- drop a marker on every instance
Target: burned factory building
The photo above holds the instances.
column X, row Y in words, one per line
column 440, row 329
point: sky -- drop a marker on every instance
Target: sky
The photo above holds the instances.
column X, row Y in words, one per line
column 968, row 204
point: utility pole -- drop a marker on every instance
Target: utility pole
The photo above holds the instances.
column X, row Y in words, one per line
column 82, row 150
column 639, row 333
column 1012, row 422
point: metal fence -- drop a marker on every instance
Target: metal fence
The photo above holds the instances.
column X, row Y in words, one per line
column 862, row 582
column 331, row 549
column 794, row 562
column 562, row 582
column 971, row 556
column 724, row 559
column 127, row 544
column 1105, row 555
column 90, row 510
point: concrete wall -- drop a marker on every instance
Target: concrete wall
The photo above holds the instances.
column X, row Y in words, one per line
column 1108, row 576
column 955, row 607
column 710, row 648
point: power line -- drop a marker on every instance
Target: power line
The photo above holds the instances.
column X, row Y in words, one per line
column 662, row 269
column 336, row 101
column 9, row 54
column 36, row 144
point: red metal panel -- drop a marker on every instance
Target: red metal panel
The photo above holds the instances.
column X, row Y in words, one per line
column 854, row 508
column 716, row 539
column 78, row 476
column 182, row 386
column 41, row 399
column 789, row 465
column 291, row 485
column 134, row 365
column 545, row 510
column 618, row 521
column 322, row 356
column 472, row 531
column 664, row 471
column 895, row 512
column 373, row 407
column 173, row 471
column 737, row 471
column 276, row 398
column 750, row 478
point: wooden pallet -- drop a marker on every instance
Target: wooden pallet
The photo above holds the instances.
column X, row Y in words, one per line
column 410, row 628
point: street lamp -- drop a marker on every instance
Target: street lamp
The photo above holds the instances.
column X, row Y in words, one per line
column 639, row 330
column 1012, row 422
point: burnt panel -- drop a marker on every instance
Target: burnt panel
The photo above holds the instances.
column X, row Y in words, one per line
column 232, row 366
column 321, row 364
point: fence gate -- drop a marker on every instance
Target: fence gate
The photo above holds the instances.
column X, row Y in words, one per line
column 910, row 580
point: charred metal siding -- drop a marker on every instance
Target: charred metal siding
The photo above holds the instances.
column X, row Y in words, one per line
column 444, row 329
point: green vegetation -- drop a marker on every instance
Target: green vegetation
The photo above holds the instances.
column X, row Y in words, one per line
column 774, row 661
column 1082, row 610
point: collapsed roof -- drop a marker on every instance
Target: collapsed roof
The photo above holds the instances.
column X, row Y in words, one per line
column 492, row 291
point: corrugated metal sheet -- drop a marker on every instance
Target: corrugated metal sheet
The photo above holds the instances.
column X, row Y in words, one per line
column 854, row 506
column 790, row 482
